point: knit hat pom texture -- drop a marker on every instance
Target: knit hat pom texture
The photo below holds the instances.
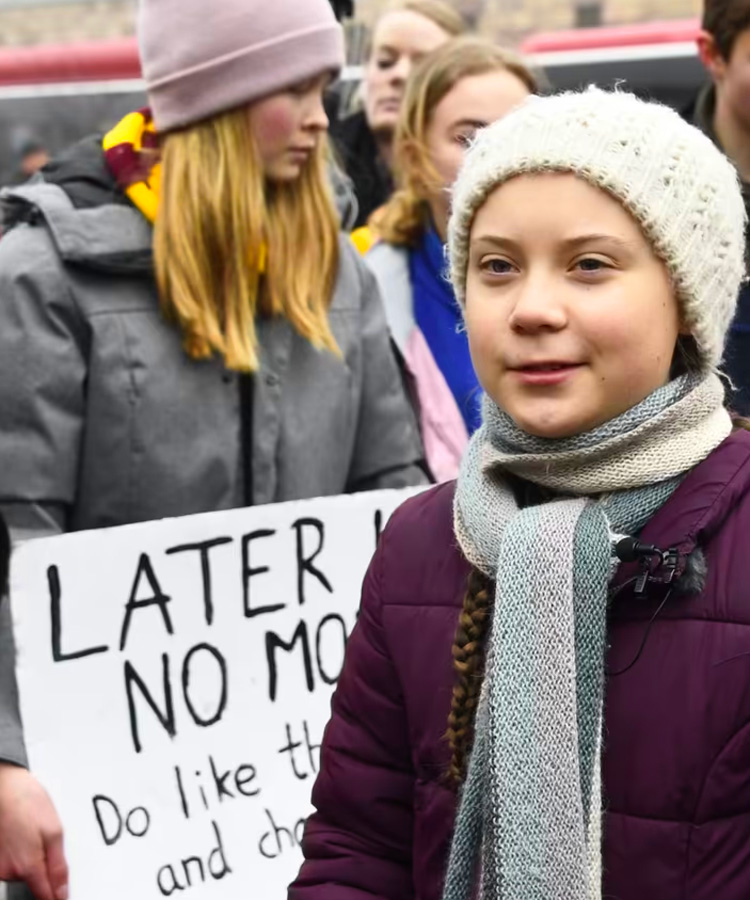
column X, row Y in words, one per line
column 676, row 184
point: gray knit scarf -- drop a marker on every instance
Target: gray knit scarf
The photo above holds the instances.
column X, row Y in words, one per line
column 529, row 821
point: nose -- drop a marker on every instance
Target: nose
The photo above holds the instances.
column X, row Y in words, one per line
column 401, row 70
column 538, row 306
column 317, row 118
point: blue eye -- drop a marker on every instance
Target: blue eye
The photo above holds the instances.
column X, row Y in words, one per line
column 497, row 266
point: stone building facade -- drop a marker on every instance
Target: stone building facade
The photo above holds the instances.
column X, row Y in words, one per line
column 43, row 21
column 63, row 21
column 511, row 21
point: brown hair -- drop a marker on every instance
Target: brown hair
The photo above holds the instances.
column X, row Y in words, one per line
column 402, row 220
column 724, row 20
column 468, row 664
column 224, row 239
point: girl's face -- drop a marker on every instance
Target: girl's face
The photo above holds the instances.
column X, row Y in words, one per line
column 473, row 103
column 401, row 39
column 287, row 127
column 571, row 317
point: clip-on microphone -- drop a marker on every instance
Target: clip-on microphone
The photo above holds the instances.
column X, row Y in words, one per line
column 630, row 549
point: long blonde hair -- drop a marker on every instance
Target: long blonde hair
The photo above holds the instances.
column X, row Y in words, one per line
column 403, row 219
column 228, row 247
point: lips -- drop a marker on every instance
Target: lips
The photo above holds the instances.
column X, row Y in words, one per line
column 545, row 367
column 299, row 155
column 545, row 373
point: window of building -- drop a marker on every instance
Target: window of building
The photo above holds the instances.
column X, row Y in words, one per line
column 588, row 14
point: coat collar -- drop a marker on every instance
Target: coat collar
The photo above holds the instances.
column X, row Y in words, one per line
column 113, row 237
column 702, row 503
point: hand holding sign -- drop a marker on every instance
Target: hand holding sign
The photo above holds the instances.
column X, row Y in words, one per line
column 31, row 840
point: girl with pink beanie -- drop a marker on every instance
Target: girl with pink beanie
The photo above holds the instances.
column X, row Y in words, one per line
column 182, row 327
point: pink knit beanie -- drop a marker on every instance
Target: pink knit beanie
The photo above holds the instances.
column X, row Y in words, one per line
column 200, row 58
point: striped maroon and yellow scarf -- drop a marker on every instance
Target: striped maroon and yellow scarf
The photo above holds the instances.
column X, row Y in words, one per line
column 132, row 152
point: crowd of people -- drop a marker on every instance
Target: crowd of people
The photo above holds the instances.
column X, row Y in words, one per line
column 536, row 303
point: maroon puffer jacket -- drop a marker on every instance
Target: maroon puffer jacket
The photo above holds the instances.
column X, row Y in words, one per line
column 677, row 727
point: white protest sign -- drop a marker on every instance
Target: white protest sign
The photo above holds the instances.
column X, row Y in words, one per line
column 175, row 679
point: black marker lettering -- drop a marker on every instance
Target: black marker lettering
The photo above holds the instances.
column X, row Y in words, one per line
column 378, row 525
column 273, row 642
column 333, row 617
column 55, row 596
column 203, row 548
column 219, row 854
column 248, row 572
column 180, row 788
column 220, row 781
column 241, row 780
column 168, row 889
column 146, row 821
column 157, row 598
column 200, row 789
column 311, row 748
column 277, row 831
column 222, row 702
column 186, row 869
column 166, row 718
column 110, row 835
column 305, row 562
column 290, row 746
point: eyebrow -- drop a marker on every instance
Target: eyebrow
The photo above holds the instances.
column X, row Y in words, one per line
column 471, row 123
column 568, row 244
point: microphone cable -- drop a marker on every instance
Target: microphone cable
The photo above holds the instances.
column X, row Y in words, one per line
column 644, row 640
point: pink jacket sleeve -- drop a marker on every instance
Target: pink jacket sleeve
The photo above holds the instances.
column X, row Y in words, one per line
column 358, row 843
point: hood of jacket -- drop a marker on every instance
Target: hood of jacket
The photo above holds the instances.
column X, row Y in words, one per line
column 90, row 220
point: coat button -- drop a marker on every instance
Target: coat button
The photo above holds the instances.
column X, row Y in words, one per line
column 272, row 379
column 227, row 378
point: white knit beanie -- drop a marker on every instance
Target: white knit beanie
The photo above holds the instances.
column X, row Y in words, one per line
column 200, row 58
column 676, row 184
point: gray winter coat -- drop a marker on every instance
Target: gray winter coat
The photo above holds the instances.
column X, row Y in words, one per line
column 106, row 421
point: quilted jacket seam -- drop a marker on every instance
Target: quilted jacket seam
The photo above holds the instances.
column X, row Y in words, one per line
column 687, row 822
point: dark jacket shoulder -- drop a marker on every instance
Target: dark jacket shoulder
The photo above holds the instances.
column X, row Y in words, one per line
column 421, row 562
column 359, row 156
column 82, row 172
column 91, row 223
column 714, row 495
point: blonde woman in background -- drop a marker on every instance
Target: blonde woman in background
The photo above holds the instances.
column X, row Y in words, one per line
column 182, row 328
column 463, row 86
column 406, row 32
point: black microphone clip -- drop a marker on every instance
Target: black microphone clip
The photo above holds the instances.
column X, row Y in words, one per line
column 656, row 565
column 630, row 549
